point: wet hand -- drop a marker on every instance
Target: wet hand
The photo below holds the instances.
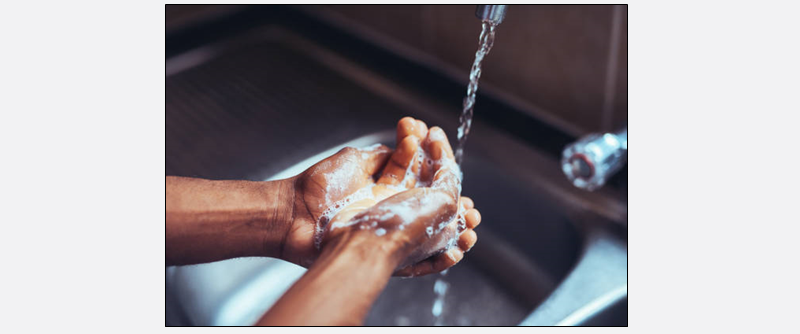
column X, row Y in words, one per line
column 414, row 206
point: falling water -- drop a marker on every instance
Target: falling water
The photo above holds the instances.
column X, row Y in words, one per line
column 485, row 43
column 439, row 291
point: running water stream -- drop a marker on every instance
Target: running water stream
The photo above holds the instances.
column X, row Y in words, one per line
column 485, row 42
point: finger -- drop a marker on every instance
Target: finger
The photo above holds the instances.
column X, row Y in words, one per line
column 408, row 126
column 422, row 129
column 447, row 259
column 421, row 268
column 373, row 160
column 437, row 142
column 473, row 218
column 435, row 264
column 467, row 203
column 405, row 154
column 418, row 269
column 405, row 272
column 467, row 240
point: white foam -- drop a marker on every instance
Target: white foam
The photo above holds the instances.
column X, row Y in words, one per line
column 387, row 215
column 379, row 232
column 335, row 208
column 338, row 180
column 404, row 210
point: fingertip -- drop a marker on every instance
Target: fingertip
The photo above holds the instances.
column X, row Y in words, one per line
column 473, row 218
column 422, row 129
column 406, row 121
column 436, row 134
column 437, row 142
column 405, row 127
column 467, row 203
column 449, row 258
column 467, row 240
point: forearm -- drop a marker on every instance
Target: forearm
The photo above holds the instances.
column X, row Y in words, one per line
column 214, row 220
column 341, row 286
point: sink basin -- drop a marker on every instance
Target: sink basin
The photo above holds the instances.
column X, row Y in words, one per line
column 241, row 110
column 526, row 247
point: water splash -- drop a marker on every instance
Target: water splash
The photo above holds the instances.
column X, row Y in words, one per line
column 439, row 291
column 485, row 43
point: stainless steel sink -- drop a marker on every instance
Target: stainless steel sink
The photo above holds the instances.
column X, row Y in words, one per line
column 526, row 250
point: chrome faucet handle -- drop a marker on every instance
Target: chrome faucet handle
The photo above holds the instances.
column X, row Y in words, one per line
column 592, row 160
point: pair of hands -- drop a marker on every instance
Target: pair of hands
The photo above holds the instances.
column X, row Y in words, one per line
column 358, row 216
column 407, row 200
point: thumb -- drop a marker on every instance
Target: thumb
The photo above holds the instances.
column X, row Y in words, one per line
column 373, row 159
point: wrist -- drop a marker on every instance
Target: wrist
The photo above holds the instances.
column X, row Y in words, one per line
column 363, row 246
column 281, row 194
column 277, row 216
column 340, row 286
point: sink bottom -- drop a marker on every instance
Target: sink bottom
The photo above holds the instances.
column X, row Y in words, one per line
column 471, row 299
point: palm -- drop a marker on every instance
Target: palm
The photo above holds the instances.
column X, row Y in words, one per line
column 321, row 187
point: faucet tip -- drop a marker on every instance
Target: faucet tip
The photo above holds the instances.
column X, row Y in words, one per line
column 491, row 13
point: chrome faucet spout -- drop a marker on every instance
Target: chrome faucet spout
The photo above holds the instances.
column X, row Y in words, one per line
column 491, row 13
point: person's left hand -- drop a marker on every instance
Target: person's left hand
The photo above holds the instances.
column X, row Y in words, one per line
column 320, row 187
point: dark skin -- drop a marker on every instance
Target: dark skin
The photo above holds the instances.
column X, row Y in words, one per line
column 215, row 220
